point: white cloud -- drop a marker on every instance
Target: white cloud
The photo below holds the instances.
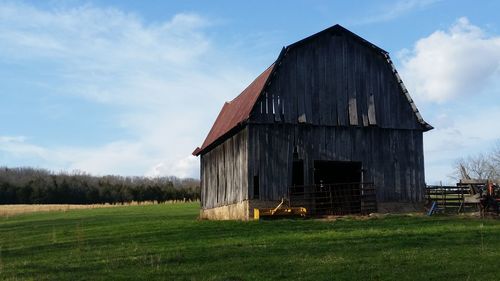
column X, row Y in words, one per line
column 120, row 157
column 18, row 147
column 447, row 64
column 84, row 34
column 12, row 139
column 396, row 10
column 166, row 80
column 180, row 169
column 467, row 134
column 454, row 77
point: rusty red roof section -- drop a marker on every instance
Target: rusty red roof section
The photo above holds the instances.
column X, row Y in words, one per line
column 236, row 111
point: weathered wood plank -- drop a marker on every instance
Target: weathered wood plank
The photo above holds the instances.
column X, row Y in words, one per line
column 353, row 112
column 372, row 119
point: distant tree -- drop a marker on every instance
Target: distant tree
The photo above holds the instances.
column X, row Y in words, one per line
column 28, row 186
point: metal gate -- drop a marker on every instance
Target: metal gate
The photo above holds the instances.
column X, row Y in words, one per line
column 335, row 199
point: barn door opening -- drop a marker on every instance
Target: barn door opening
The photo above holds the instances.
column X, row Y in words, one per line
column 298, row 176
column 338, row 189
column 335, row 172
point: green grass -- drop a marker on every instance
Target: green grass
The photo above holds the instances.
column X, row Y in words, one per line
column 166, row 242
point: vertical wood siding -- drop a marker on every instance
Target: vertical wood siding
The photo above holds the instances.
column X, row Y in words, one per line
column 224, row 172
column 335, row 81
column 340, row 101
column 392, row 159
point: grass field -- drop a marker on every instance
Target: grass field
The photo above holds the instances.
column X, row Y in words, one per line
column 166, row 242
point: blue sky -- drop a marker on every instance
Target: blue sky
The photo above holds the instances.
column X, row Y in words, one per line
column 132, row 87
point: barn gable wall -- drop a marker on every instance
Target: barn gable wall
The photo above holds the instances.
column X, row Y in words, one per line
column 334, row 98
column 224, row 172
column 334, row 80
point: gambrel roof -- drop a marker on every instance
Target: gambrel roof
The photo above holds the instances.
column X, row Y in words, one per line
column 235, row 113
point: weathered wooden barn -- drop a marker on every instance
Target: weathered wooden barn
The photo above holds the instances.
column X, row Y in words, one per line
column 330, row 111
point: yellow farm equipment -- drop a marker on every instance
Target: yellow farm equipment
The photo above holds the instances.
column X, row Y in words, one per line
column 283, row 209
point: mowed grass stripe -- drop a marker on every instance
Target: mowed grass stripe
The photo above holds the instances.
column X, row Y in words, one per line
column 167, row 242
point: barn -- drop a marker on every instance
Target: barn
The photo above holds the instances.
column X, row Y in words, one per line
column 329, row 126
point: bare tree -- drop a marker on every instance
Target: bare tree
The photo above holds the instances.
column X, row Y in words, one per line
column 495, row 157
column 480, row 166
column 476, row 167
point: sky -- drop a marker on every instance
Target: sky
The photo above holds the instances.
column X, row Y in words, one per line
column 132, row 87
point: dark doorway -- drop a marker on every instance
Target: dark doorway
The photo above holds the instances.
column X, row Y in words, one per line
column 256, row 188
column 298, row 176
column 338, row 189
column 334, row 172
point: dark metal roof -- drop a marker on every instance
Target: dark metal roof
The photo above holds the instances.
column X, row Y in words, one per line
column 235, row 112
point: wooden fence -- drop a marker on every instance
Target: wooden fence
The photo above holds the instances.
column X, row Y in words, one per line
column 459, row 198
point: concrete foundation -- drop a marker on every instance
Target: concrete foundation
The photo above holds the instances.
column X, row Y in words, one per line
column 244, row 210
column 238, row 211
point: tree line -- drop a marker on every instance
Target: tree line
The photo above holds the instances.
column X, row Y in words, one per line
column 38, row 186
